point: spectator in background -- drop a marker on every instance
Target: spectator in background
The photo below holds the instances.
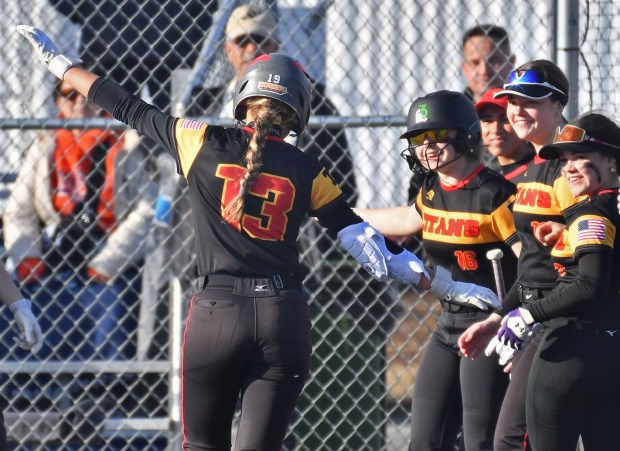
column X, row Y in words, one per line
column 75, row 225
column 507, row 153
column 487, row 59
column 251, row 32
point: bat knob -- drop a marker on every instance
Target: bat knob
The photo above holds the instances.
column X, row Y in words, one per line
column 495, row 254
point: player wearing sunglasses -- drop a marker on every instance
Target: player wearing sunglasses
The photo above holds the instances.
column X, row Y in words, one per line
column 573, row 381
column 462, row 211
column 537, row 93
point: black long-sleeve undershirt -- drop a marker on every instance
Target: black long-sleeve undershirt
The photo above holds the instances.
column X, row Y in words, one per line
column 592, row 284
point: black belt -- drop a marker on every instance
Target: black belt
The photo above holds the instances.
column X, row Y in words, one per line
column 455, row 308
column 528, row 295
column 594, row 330
column 275, row 282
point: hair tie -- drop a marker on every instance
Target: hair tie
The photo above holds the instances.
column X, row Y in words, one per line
column 243, row 191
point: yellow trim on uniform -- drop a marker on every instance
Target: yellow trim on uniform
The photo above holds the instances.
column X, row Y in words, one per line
column 610, row 233
column 466, row 227
column 562, row 248
column 537, row 198
column 324, row 190
column 189, row 143
column 503, row 220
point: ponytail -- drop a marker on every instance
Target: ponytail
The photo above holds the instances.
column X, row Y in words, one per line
column 266, row 113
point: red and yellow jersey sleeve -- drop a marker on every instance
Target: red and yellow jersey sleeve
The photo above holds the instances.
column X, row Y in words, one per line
column 190, row 135
column 591, row 230
column 324, row 190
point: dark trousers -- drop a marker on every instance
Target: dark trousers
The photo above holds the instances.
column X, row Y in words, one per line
column 240, row 342
column 439, row 376
column 573, row 390
column 511, row 432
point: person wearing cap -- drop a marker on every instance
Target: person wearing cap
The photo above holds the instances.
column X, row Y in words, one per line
column 508, row 154
column 573, row 380
column 537, row 92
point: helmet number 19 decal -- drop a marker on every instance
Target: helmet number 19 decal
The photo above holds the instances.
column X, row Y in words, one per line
column 274, row 78
column 272, row 85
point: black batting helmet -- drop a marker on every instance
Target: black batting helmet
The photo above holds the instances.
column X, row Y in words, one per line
column 276, row 76
column 446, row 110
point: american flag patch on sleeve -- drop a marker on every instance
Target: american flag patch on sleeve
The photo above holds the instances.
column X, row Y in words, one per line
column 591, row 229
column 191, row 124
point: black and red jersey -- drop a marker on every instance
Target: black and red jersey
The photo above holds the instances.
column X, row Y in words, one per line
column 592, row 233
column 542, row 195
column 515, row 171
column 290, row 185
column 462, row 223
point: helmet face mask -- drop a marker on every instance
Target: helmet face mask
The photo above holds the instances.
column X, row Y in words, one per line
column 275, row 76
column 445, row 110
column 423, row 165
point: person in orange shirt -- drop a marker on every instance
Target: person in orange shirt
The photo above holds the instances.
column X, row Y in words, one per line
column 74, row 229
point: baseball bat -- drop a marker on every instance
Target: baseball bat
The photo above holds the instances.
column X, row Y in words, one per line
column 495, row 255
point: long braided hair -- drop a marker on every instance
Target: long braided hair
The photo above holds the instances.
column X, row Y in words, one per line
column 267, row 113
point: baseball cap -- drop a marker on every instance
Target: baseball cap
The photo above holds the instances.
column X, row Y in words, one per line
column 531, row 84
column 252, row 20
column 488, row 99
column 576, row 139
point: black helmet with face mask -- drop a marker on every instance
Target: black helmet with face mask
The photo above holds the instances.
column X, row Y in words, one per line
column 444, row 110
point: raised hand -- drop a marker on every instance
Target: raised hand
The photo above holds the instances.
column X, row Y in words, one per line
column 462, row 293
column 47, row 51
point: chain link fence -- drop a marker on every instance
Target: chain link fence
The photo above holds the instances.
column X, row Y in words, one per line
column 108, row 376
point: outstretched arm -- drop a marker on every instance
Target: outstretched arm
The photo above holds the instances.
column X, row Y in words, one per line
column 58, row 64
column 403, row 220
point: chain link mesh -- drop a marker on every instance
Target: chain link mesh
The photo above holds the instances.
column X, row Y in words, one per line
column 107, row 377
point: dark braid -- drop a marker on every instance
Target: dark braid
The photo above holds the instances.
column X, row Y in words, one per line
column 266, row 113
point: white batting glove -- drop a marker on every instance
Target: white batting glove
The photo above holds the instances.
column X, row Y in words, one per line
column 30, row 336
column 505, row 352
column 359, row 241
column 516, row 327
column 46, row 50
column 405, row 267
column 462, row 293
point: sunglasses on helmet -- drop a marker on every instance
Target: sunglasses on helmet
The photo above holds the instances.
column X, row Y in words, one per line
column 574, row 134
column 529, row 77
column 439, row 135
